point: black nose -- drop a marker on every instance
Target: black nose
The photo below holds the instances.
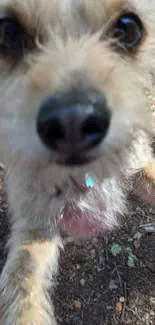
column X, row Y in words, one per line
column 74, row 122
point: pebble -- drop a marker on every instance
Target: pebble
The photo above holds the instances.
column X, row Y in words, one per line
column 77, row 304
column 122, row 299
column 82, row 282
column 113, row 285
column 59, row 319
column 92, row 252
column 102, row 258
column 78, row 267
column 94, row 240
column 136, row 243
column 109, row 307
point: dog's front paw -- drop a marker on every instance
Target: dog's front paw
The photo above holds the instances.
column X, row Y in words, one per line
column 25, row 304
column 32, row 320
column 26, row 317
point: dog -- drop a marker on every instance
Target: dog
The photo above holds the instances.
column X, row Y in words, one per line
column 75, row 129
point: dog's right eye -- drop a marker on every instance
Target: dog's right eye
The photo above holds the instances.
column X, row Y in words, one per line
column 13, row 38
column 129, row 30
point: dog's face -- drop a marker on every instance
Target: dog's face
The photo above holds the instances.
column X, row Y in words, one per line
column 73, row 74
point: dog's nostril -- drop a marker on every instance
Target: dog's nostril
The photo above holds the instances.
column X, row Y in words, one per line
column 90, row 127
column 93, row 129
column 52, row 130
column 56, row 130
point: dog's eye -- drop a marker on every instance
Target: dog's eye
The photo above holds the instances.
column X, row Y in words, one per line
column 129, row 30
column 12, row 37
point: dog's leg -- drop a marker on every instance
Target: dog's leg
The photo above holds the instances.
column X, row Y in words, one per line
column 144, row 185
column 31, row 264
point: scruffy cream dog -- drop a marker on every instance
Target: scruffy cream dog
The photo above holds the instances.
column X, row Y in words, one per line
column 75, row 127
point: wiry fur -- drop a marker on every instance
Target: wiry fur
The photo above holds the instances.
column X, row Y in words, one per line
column 72, row 50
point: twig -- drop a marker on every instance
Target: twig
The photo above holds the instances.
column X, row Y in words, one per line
column 148, row 228
column 106, row 249
column 124, row 305
column 118, row 275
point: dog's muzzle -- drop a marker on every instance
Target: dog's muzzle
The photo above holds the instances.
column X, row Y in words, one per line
column 73, row 123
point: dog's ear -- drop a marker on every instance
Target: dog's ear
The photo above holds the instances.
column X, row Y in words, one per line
column 144, row 184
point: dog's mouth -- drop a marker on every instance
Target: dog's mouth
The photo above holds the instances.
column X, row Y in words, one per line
column 77, row 160
column 74, row 160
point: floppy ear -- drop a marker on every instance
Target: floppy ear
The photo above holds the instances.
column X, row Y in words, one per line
column 144, row 184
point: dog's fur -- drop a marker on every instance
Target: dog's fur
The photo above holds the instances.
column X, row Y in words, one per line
column 70, row 50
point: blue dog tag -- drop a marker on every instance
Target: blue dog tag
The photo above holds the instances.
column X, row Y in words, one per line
column 89, row 181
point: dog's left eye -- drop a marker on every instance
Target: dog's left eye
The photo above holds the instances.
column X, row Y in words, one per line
column 129, row 30
column 13, row 39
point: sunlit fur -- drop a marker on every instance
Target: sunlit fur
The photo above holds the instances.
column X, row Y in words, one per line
column 72, row 50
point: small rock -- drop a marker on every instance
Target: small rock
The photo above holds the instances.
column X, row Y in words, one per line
column 68, row 240
column 121, row 299
column 92, row 252
column 82, row 282
column 78, row 267
column 136, row 243
column 77, row 304
column 146, row 317
column 113, row 285
column 102, row 258
column 109, row 307
column 118, row 306
column 152, row 313
column 59, row 319
column 94, row 240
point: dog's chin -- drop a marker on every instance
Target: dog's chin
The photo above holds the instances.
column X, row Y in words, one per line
column 85, row 213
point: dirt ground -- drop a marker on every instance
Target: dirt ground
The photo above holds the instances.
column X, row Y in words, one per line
column 106, row 281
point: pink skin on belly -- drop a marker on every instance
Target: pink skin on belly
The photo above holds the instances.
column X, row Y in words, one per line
column 79, row 226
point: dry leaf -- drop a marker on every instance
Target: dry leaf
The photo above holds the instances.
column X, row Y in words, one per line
column 77, row 304
column 119, row 306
